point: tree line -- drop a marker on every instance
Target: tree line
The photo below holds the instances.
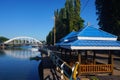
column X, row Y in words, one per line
column 108, row 12
column 67, row 19
column 3, row 39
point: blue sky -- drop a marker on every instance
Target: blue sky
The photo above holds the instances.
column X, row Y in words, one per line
column 34, row 18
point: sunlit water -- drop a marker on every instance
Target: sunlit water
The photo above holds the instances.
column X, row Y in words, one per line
column 19, row 65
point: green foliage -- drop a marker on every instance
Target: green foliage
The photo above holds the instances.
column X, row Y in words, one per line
column 94, row 78
column 109, row 15
column 3, row 39
column 67, row 19
column 50, row 38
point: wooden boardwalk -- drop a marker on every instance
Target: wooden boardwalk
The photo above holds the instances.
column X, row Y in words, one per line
column 49, row 71
column 103, row 77
column 108, row 77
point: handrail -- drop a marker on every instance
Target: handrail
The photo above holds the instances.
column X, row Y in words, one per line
column 64, row 68
column 67, row 71
column 75, row 70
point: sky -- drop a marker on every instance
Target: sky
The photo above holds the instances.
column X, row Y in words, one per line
column 34, row 18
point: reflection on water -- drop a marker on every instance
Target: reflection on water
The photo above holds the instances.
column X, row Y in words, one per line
column 2, row 53
column 21, row 53
column 16, row 64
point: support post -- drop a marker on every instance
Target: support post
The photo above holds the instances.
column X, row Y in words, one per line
column 110, row 61
column 94, row 56
column 61, row 53
column 54, row 31
column 79, row 60
column 65, row 55
column 86, row 56
column 70, row 52
column 60, row 50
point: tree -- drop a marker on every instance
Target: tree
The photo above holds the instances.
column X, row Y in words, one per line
column 3, row 39
column 67, row 19
column 49, row 38
column 109, row 15
column 78, row 20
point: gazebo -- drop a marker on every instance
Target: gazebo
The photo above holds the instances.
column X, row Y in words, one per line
column 91, row 39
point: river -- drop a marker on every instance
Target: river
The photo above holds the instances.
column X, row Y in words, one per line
column 19, row 64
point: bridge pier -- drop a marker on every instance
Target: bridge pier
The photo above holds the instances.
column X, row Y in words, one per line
column 2, row 46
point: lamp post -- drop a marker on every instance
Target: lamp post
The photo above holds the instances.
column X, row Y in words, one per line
column 54, row 31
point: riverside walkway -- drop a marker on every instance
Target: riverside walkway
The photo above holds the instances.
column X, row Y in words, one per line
column 49, row 70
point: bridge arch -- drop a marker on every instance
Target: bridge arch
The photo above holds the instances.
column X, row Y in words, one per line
column 23, row 40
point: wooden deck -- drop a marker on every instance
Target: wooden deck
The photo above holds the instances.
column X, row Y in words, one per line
column 108, row 77
column 103, row 77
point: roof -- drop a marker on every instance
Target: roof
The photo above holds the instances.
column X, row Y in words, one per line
column 68, row 36
column 90, row 31
column 92, row 44
column 90, row 38
column 64, row 39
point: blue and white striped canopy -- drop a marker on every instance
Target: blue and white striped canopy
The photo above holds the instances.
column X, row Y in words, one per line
column 90, row 38
column 92, row 45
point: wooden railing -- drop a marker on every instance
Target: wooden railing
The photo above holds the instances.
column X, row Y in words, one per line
column 95, row 68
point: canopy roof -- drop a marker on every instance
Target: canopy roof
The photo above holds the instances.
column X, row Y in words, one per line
column 92, row 45
column 90, row 31
column 90, row 38
column 71, row 34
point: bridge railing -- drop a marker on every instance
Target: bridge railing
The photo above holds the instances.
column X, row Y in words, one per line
column 65, row 70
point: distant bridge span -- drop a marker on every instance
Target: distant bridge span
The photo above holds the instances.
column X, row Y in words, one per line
column 23, row 40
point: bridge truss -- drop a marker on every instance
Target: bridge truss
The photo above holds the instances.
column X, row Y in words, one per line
column 23, row 40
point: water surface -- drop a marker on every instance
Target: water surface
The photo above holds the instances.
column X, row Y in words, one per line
column 16, row 64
